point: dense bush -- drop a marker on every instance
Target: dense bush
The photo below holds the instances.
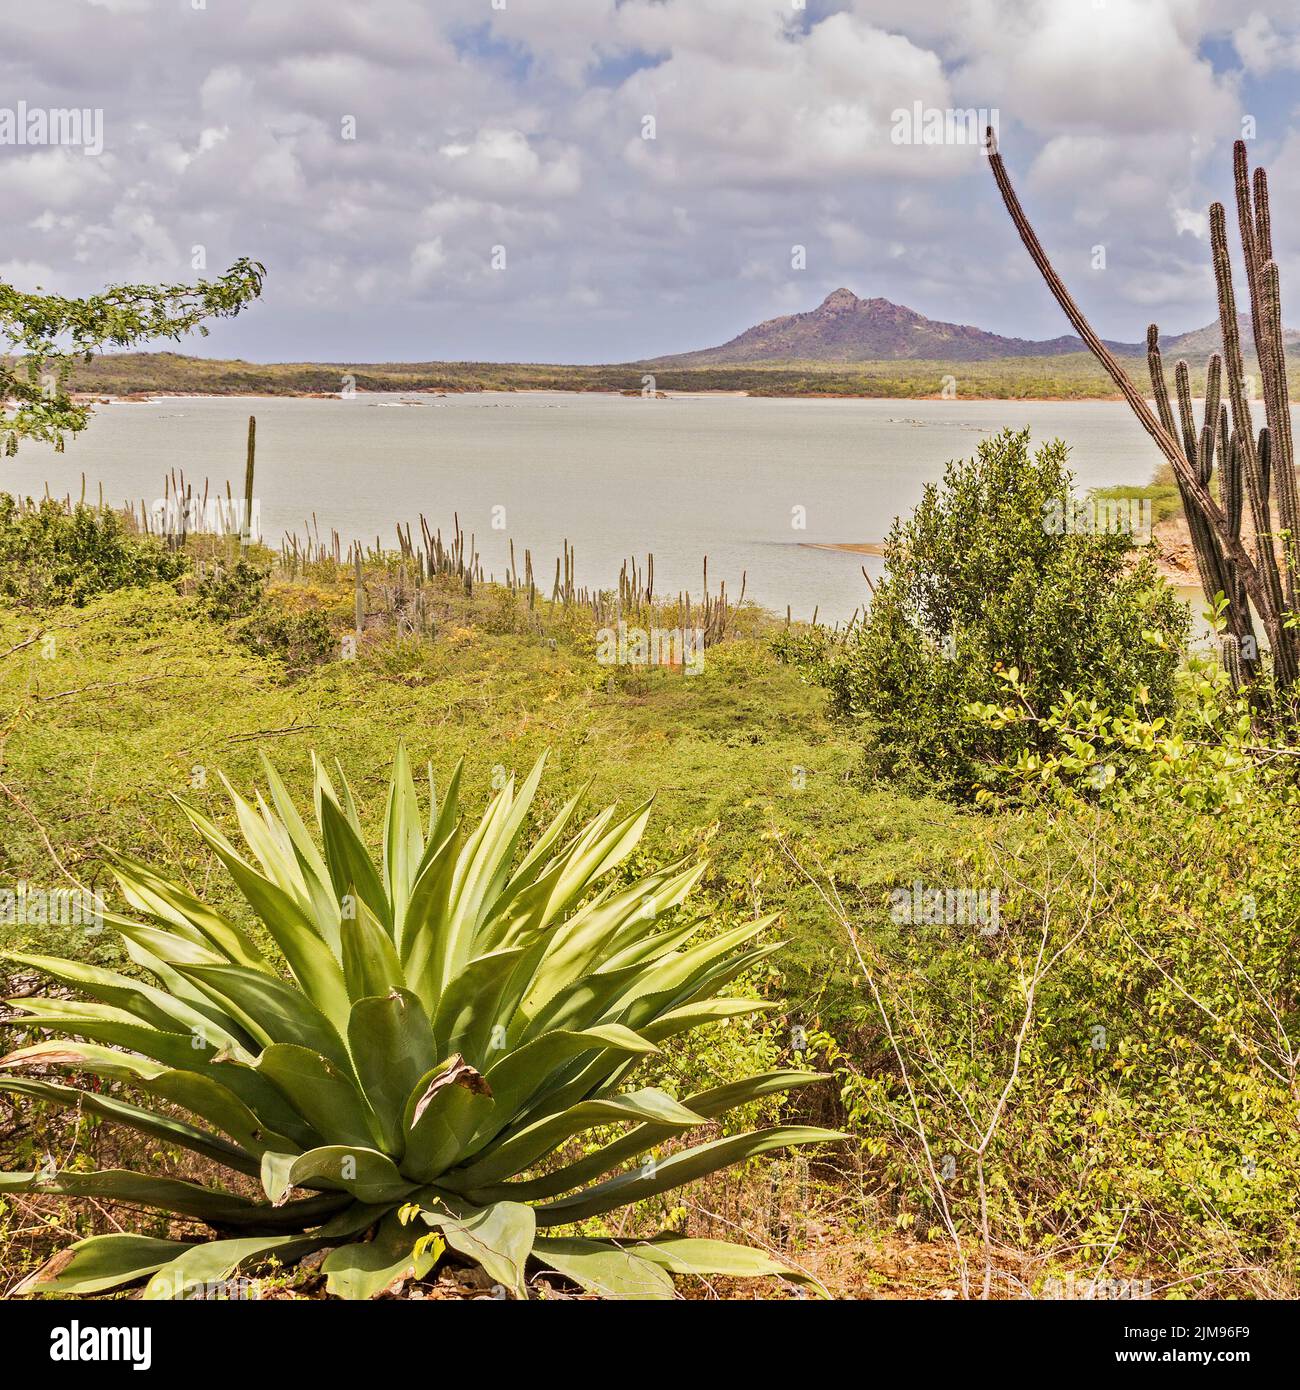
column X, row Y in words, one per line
column 52, row 554
column 300, row 640
column 232, row 591
column 980, row 579
column 236, row 594
column 1108, row 1077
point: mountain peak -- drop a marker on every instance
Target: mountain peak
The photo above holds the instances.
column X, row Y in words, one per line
column 844, row 328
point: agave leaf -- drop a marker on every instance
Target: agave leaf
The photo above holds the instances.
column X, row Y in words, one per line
column 511, row 834
column 148, row 891
column 315, row 875
column 351, row 868
column 634, row 945
column 678, row 972
column 216, row 1261
column 171, row 1194
column 176, row 984
column 273, row 850
column 520, row 1150
column 445, row 1108
column 403, row 840
column 392, row 1048
column 348, row 801
column 324, row 1094
column 366, row 1174
column 595, row 852
column 370, row 963
column 576, row 1077
column 442, row 818
column 499, row 1238
column 697, row 1015
column 471, row 1004
column 578, row 1005
column 173, row 1049
column 525, row 1070
column 686, row 1255
column 150, row 1005
column 707, row 977
column 263, row 1098
column 718, row 1100
column 678, row 1168
column 211, row 1101
column 46, row 1013
column 604, row 1268
column 531, row 905
column 159, row 1127
column 533, row 863
column 576, row 947
column 277, row 1011
column 257, row 1093
column 422, row 935
column 361, row 1271
column 169, row 946
column 293, row 930
column 472, row 872
column 101, row 1262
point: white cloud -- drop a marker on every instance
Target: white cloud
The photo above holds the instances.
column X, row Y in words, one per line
column 502, row 163
column 776, row 106
column 523, row 127
column 1262, row 48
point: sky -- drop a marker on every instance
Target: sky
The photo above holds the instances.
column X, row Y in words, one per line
column 606, row 180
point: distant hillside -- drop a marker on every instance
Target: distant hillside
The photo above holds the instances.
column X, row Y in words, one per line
column 1201, row 342
column 845, row 347
column 844, row 328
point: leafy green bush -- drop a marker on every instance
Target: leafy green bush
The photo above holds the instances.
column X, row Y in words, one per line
column 236, row 594
column 300, row 640
column 983, row 578
column 1109, row 1077
column 50, row 554
column 233, row 591
column 1162, row 497
column 451, row 1021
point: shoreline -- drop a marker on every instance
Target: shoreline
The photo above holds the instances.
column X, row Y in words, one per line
column 1172, row 571
column 149, row 397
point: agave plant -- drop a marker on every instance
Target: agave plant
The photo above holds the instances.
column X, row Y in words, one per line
column 402, row 1055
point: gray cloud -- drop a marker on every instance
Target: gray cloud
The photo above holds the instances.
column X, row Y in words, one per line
column 374, row 155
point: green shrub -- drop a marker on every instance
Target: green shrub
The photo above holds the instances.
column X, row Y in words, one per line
column 983, row 578
column 415, row 1043
column 233, row 591
column 300, row 640
column 1136, row 1005
column 236, row 594
column 50, row 554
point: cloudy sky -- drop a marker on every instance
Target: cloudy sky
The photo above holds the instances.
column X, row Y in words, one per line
column 376, row 155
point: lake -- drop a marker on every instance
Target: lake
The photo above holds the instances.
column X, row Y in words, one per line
column 616, row 476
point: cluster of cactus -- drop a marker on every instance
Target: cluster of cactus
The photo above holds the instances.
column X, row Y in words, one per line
column 1255, row 471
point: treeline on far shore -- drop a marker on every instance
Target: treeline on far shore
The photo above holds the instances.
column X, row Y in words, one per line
column 1070, row 377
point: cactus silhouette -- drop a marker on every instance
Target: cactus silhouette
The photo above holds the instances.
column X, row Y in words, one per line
column 1256, row 472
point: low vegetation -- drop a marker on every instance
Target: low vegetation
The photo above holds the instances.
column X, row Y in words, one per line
column 1074, row 376
column 1055, row 998
column 989, row 575
column 453, row 1020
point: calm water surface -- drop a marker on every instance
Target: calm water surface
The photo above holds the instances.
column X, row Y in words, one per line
column 684, row 477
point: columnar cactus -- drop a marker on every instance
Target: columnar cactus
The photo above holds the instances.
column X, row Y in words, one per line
column 1257, row 471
